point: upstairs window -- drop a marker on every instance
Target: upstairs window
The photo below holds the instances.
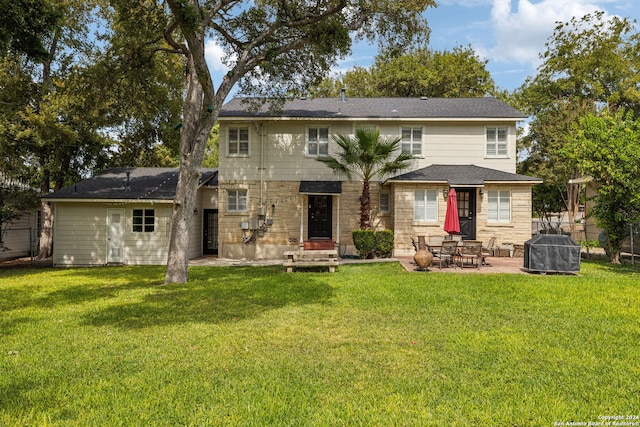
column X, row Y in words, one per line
column 144, row 220
column 238, row 141
column 496, row 142
column 317, row 141
column 236, row 200
column 412, row 140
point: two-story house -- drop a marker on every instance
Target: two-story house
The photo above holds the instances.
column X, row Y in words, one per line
column 270, row 194
column 274, row 195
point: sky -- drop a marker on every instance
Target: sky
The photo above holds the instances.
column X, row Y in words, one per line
column 509, row 34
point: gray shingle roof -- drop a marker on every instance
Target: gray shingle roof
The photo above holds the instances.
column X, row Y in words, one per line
column 321, row 187
column 144, row 184
column 461, row 175
column 417, row 108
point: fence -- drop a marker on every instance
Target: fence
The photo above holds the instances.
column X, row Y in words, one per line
column 20, row 242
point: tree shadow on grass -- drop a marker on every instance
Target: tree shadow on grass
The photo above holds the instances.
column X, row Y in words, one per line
column 216, row 295
column 76, row 286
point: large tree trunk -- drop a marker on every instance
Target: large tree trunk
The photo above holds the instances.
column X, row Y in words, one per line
column 197, row 121
column 46, row 232
column 45, row 249
column 191, row 154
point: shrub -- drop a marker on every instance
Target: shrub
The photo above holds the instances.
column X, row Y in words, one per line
column 384, row 243
column 364, row 241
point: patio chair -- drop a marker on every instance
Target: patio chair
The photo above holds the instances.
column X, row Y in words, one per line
column 471, row 253
column 488, row 250
column 447, row 253
column 434, row 243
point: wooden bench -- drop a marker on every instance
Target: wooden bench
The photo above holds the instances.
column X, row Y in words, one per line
column 312, row 258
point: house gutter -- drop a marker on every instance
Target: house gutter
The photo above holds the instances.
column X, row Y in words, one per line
column 110, row 201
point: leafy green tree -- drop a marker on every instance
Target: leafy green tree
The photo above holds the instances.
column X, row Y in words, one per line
column 24, row 25
column 606, row 147
column 590, row 62
column 97, row 99
column 366, row 156
column 420, row 72
column 272, row 48
column 212, row 150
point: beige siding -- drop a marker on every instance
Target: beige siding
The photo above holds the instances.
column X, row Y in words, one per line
column 148, row 248
column 280, row 148
column 463, row 144
column 80, row 235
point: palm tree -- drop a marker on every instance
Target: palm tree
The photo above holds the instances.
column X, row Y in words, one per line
column 366, row 156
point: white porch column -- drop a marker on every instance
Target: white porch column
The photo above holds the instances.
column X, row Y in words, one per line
column 338, row 223
column 303, row 205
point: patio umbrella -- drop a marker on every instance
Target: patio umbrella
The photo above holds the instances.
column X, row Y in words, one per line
column 451, row 220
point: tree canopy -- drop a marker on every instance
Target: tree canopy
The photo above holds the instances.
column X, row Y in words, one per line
column 418, row 72
column 24, row 26
column 605, row 147
column 590, row 63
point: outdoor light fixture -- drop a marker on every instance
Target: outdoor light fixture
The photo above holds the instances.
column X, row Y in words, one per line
column 445, row 193
column 273, row 210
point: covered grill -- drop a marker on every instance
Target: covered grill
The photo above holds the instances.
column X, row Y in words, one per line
column 552, row 253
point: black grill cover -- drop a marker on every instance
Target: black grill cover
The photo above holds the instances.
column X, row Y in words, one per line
column 553, row 253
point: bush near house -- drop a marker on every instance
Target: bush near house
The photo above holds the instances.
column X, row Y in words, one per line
column 371, row 243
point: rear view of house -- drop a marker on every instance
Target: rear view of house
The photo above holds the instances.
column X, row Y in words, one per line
column 275, row 196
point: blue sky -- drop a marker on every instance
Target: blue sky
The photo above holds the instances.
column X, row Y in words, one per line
column 510, row 34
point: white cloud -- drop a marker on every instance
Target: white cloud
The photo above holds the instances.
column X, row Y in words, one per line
column 521, row 34
column 213, row 54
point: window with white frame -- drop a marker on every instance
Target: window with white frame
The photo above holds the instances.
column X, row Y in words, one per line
column 317, row 141
column 238, row 141
column 425, row 205
column 499, row 206
column 385, row 203
column 144, row 220
column 412, row 140
column 236, row 200
column 497, row 141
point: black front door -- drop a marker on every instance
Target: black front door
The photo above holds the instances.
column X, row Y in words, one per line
column 210, row 232
column 320, row 217
column 466, row 212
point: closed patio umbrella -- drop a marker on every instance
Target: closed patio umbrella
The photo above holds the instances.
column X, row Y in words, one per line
column 451, row 220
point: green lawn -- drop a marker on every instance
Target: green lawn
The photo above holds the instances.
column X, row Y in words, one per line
column 370, row 345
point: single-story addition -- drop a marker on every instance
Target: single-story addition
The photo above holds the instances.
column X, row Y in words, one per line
column 123, row 216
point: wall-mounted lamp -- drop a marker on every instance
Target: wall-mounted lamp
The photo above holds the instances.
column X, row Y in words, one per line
column 273, row 210
column 195, row 212
column 445, row 193
column 481, row 192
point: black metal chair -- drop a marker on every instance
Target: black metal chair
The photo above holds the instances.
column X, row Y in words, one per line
column 447, row 253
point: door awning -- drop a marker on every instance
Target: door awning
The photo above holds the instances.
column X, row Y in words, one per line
column 321, row 187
